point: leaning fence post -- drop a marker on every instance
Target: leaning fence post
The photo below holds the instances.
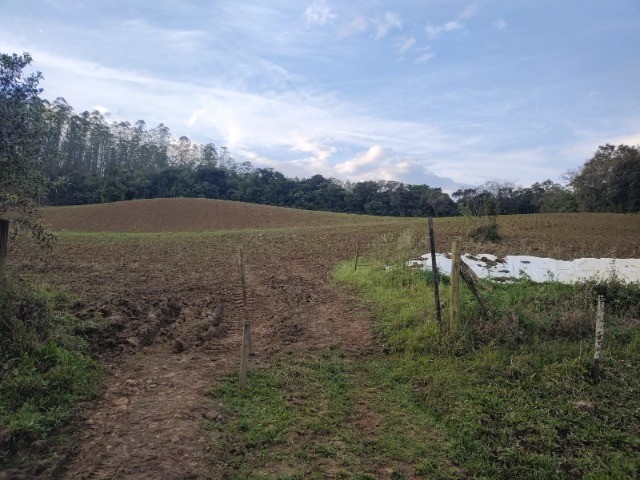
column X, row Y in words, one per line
column 434, row 268
column 470, row 279
column 455, row 286
column 4, row 240
column 246, row 328
column 595, row 372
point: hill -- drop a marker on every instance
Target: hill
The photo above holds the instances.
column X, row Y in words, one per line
column 188, row 215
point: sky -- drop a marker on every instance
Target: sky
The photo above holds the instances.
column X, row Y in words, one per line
column 447, row 93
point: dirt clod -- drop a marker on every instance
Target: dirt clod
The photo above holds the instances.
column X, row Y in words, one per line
column 178, row 346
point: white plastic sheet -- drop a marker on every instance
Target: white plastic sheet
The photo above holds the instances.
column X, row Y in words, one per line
column 540, row 269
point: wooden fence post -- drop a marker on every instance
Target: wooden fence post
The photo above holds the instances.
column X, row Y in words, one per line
column 455, row 286
column 246, row 328
column 355, row 265
column 470, row 278
column 434, row 268
column 595, row 372
column 4, row 240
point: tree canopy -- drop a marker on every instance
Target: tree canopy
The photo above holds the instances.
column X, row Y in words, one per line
column 24, row 124
column 609, row 181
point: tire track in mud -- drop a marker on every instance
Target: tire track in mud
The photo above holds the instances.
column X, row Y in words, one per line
column 148, row 421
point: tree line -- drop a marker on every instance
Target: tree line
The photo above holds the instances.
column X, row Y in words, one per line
column 84, row 158
column 89, row 160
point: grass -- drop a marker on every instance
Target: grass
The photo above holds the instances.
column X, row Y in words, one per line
column 507, row 391
column 196, row 234
column 45, row 369
column 507, row 397
column 324, row 416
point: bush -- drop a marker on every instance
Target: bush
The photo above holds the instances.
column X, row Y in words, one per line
column 487, row 232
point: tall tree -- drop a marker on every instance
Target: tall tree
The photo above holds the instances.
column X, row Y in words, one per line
column 25, row 124
column 610, row 180
column 209, row 155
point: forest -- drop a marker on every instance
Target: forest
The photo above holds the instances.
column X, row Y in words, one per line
column 85, row 158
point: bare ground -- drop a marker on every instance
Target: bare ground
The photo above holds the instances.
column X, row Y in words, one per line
column 187, row 215
column 166, row 317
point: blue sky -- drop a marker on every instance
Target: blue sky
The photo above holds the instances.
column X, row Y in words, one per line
column 446, row 93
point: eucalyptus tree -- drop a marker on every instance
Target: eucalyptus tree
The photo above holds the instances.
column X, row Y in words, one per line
column 159, row 140
column 100, row 144
column 209, row 155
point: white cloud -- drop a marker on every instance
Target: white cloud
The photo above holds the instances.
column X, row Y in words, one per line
column 425, row 57
column 520, row 165
column 193, row 119
column 318, row 13
column 435, row 31
column 320, row 153
column 361, row 163
column 633, row 139
column 101, row 109
column 469, row 12
column 386, row 23
column 92, row 70
column 355, row 26
column 382, row 24
column 404, row 43
column 460, row 23
column 499, row 24
column 381, row 163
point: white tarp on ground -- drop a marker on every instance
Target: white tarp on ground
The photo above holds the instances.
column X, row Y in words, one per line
column 540, row 269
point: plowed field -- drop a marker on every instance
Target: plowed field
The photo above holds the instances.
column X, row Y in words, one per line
column 186, row 215
column 167, row 310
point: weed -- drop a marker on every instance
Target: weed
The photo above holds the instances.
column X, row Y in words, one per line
column 320, row 415
column 487, row 231
column 45, row 368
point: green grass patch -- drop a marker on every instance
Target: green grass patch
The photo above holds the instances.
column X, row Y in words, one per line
column 45, row 368
column 509, row 396
column 357, row 222
column 513, row 393
column 327, row 416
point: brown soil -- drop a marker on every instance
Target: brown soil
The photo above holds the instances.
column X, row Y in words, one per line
column 164, row 315
column 185, row 215
column 165, row 311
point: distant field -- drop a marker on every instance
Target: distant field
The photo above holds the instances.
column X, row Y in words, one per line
column 187, row 215
column 562, row 236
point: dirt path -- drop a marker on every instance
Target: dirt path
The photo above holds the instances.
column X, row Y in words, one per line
column 172, row 333
column 148, row 423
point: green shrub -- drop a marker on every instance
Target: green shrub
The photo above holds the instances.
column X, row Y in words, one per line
column 487, row 232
